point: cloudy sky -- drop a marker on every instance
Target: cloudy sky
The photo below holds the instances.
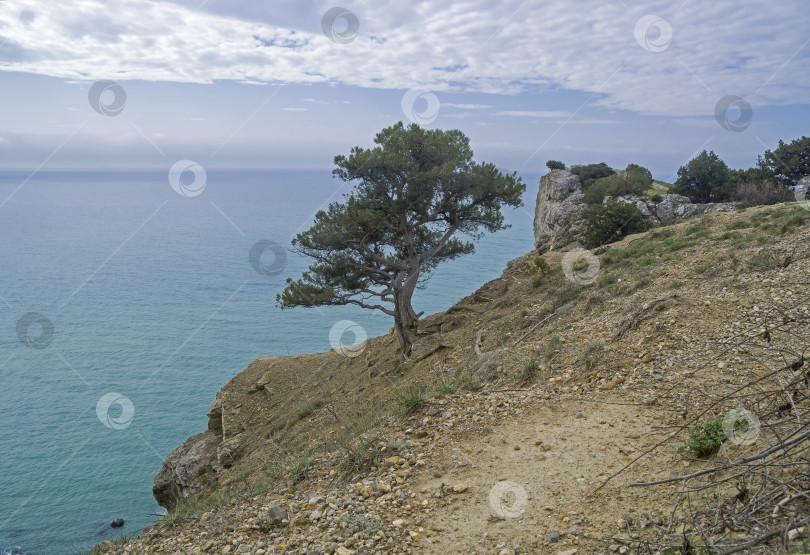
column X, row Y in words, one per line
column 292, row 83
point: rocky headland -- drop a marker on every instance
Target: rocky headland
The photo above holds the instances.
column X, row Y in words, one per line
column 527, row 412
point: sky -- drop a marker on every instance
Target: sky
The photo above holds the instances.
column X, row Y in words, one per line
column 92, row 84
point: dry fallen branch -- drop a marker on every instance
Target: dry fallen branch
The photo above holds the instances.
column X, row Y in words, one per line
column 632, row 321
column 757, row 490
column 551, row 316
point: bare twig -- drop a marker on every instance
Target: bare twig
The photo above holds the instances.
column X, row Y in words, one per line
column 551, row 316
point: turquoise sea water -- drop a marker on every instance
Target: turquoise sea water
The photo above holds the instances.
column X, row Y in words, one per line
column 141, row 304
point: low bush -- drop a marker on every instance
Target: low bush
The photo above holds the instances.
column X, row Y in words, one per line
column 705, row 439
column 591, row 172
column 752, row 193
column 609, row 222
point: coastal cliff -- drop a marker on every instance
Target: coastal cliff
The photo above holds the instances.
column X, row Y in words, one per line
column 557, row 220
column 539, row 384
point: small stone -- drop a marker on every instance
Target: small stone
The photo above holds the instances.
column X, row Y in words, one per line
column 384, row 487
column 579, row 415
column 460, row 488
column 414, row 534
column 646, row 358
column 553, row 536
column 569, row 552
column 538, row 442
column 117, row 523
column 517, row 447
column 224, row 550
column 793, row 534
column 276, row 515
column 344, row 551
column 398, row 523
column 506, row 551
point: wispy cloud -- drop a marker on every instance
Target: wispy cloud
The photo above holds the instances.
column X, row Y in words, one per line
column 397, row 48
column 534, row 113
column 467, row 106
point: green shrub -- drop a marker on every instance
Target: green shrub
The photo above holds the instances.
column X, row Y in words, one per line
column 705, row 439
column 635, row 180
column 609, row 222
column 555, row 165
column 656, row 198
column 632, row 181
column 589, row 173
column 541, row 263
column 596, row 193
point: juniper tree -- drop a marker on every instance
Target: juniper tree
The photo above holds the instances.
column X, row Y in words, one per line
column 415, row 194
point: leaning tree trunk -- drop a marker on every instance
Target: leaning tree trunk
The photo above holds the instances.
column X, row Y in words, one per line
column 405, row 318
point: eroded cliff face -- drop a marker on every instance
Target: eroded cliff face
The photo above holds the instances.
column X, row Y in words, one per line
column 191, row 467
column 279, row 407
column 556, row 214
column 557, row 219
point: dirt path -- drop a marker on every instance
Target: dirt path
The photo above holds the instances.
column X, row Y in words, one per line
column 532, row 479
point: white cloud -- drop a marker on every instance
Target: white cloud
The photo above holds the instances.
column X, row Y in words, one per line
column 534, row 114
column 467, row 106
column 726, row 47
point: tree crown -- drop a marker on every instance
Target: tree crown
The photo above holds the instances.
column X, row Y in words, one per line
column 414, row 190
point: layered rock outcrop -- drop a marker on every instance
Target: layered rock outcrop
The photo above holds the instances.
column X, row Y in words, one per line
column 188, row 469
column 557, row 219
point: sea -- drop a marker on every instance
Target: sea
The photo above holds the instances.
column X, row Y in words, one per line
column 128, row 299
